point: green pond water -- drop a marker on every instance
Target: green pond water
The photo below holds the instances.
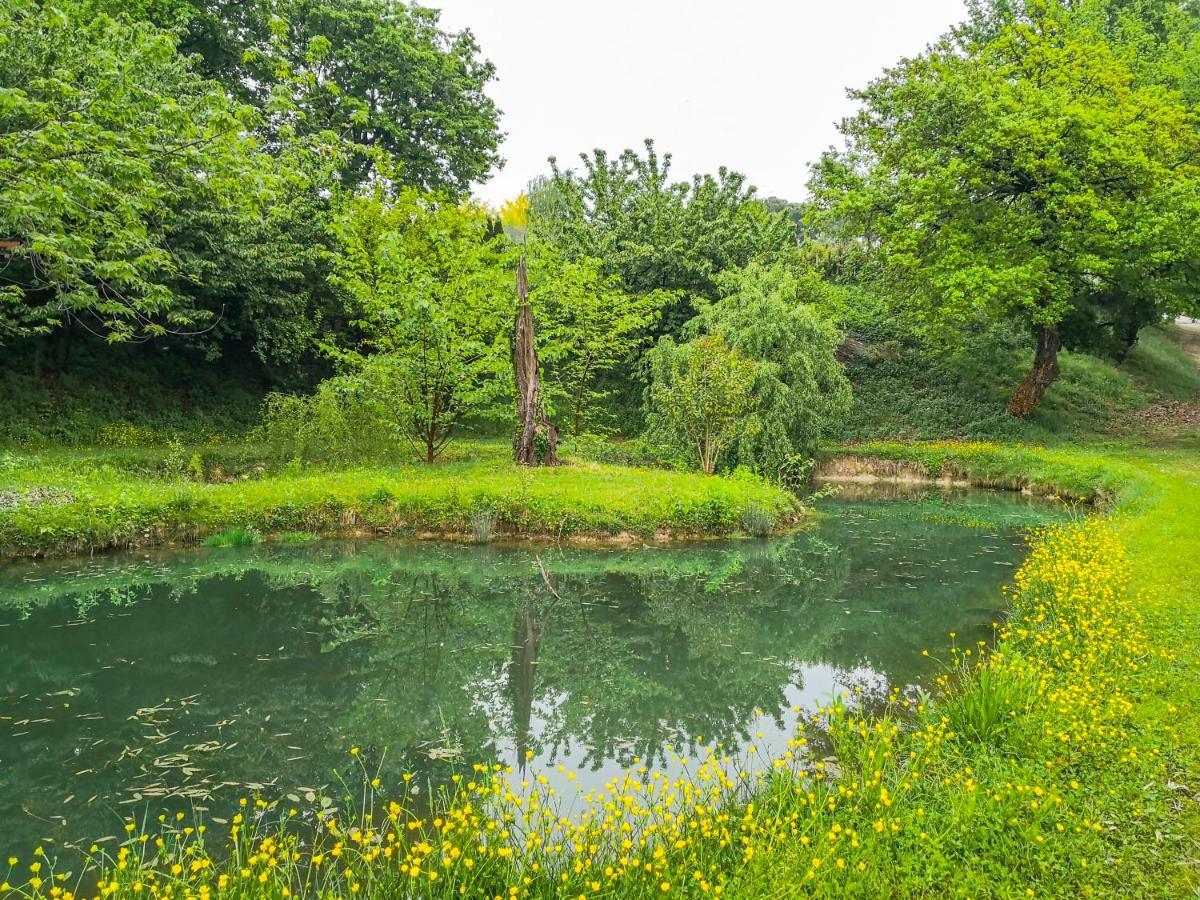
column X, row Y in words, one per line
column 186, row 679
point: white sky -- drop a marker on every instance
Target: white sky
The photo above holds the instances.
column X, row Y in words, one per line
column 757, row 85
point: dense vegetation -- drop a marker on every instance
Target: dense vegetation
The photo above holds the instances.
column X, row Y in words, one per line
column 245, row 293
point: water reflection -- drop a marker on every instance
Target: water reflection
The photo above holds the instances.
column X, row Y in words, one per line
column 181, row 679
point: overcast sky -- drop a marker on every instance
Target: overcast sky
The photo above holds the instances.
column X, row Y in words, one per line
column 756, row 85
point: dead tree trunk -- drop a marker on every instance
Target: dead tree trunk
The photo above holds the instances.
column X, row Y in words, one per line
column 1043, row 374
column 536, row 443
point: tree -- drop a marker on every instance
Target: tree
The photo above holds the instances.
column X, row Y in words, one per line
column 428, row 283
column 382, row 75
column 1029, row 178
column 104, row 129
column 772, row 315
column 651, row 233
column 700, row 396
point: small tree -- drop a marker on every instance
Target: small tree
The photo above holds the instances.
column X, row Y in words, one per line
column 428, row 284
column 700, row 396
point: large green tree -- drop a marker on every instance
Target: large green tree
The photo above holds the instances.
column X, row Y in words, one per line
column 104, row 131
column 1026, row 175
column 382, row 75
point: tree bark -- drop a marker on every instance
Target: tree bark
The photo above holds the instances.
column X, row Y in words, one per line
column 1043, row 374
column 533, row 422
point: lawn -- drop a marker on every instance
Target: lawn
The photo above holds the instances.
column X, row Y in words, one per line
column 82, row 501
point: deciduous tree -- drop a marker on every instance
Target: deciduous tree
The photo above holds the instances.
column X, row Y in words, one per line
column 104, row 130
column 772, row 315
column 1029, row 177
column 429, row 284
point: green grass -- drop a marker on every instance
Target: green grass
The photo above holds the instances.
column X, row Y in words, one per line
column 105, row 503
column 234, row 537
column 909, row 394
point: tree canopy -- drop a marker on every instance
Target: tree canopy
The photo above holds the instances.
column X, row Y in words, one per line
column 105, row 133
column 1027, row 177
column 655, row 234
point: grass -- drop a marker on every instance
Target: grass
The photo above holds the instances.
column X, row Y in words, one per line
column 234, row 537
column 913, row 394
column 104, row 500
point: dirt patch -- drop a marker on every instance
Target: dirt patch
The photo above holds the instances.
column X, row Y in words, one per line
column 1189, row 339
column 865, row 470
column 1171, row 415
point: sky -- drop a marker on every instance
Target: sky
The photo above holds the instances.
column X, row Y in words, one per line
column 757, row 85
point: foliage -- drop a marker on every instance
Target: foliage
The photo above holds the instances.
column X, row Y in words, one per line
column 700, row 398
column 128, row 395
column 772, row 314
column 104, row 130
column 483, row 526
column 586, row 324
column 758, row 521
column 233, row 537
column 395, row 89
column 654, row 234
column 341, row 420
column 1028, row 177
column 428, row 284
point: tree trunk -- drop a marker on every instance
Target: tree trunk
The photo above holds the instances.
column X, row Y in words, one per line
column 527, row 449
column 1043, row 374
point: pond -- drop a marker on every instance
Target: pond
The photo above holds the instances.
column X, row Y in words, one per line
column 185, row 679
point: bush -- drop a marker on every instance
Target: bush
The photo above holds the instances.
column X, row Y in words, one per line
column 338, row 421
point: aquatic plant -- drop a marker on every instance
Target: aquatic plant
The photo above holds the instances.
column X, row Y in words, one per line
column 233, row 537
column 483, row 525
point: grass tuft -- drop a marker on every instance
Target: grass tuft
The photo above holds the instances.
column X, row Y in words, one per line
column 233, row 537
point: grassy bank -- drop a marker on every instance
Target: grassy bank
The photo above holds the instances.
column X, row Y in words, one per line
column 1066, row 765
column 64, row 502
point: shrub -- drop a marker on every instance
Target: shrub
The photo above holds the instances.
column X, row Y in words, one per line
column 340, row 420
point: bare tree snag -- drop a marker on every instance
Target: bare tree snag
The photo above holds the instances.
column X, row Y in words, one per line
column 1043, row 374
column 536, row 443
